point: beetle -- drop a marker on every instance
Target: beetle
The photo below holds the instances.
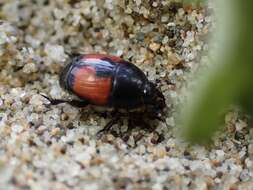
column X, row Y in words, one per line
column 109, row 81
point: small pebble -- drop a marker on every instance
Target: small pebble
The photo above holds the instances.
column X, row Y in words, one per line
column 1, row 103
column 154, row 46
column 17, row 128
column 55, row 52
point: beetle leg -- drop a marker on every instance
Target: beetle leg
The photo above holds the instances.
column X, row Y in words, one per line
column 108, row 126
column 78, row 103
column 157, row 117
column 138, row 121
column 73, row 54
column 75, row 103
column 155, row 114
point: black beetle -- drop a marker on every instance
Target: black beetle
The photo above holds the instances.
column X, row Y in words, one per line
column 109, row 81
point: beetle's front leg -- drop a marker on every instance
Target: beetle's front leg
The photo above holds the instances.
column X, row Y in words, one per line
column 74, row 103
column 138, row 121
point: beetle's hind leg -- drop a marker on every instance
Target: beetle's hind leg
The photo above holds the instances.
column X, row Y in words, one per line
column 74, row 103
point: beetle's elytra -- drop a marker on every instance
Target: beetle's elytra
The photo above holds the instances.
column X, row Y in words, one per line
column 108, row 81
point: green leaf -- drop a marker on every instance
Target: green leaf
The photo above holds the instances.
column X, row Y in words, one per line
column 230, row 80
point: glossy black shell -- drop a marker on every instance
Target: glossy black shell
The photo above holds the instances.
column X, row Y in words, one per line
column 130, row 87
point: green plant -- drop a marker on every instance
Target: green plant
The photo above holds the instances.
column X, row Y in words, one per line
column 194, row 1
column 230, row 79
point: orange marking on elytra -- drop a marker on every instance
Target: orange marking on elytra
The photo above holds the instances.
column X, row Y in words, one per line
column 91, row 87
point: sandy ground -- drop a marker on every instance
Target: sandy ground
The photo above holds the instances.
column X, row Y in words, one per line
column 56, row 147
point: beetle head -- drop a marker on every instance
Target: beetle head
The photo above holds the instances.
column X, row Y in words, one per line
column 154, row 97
